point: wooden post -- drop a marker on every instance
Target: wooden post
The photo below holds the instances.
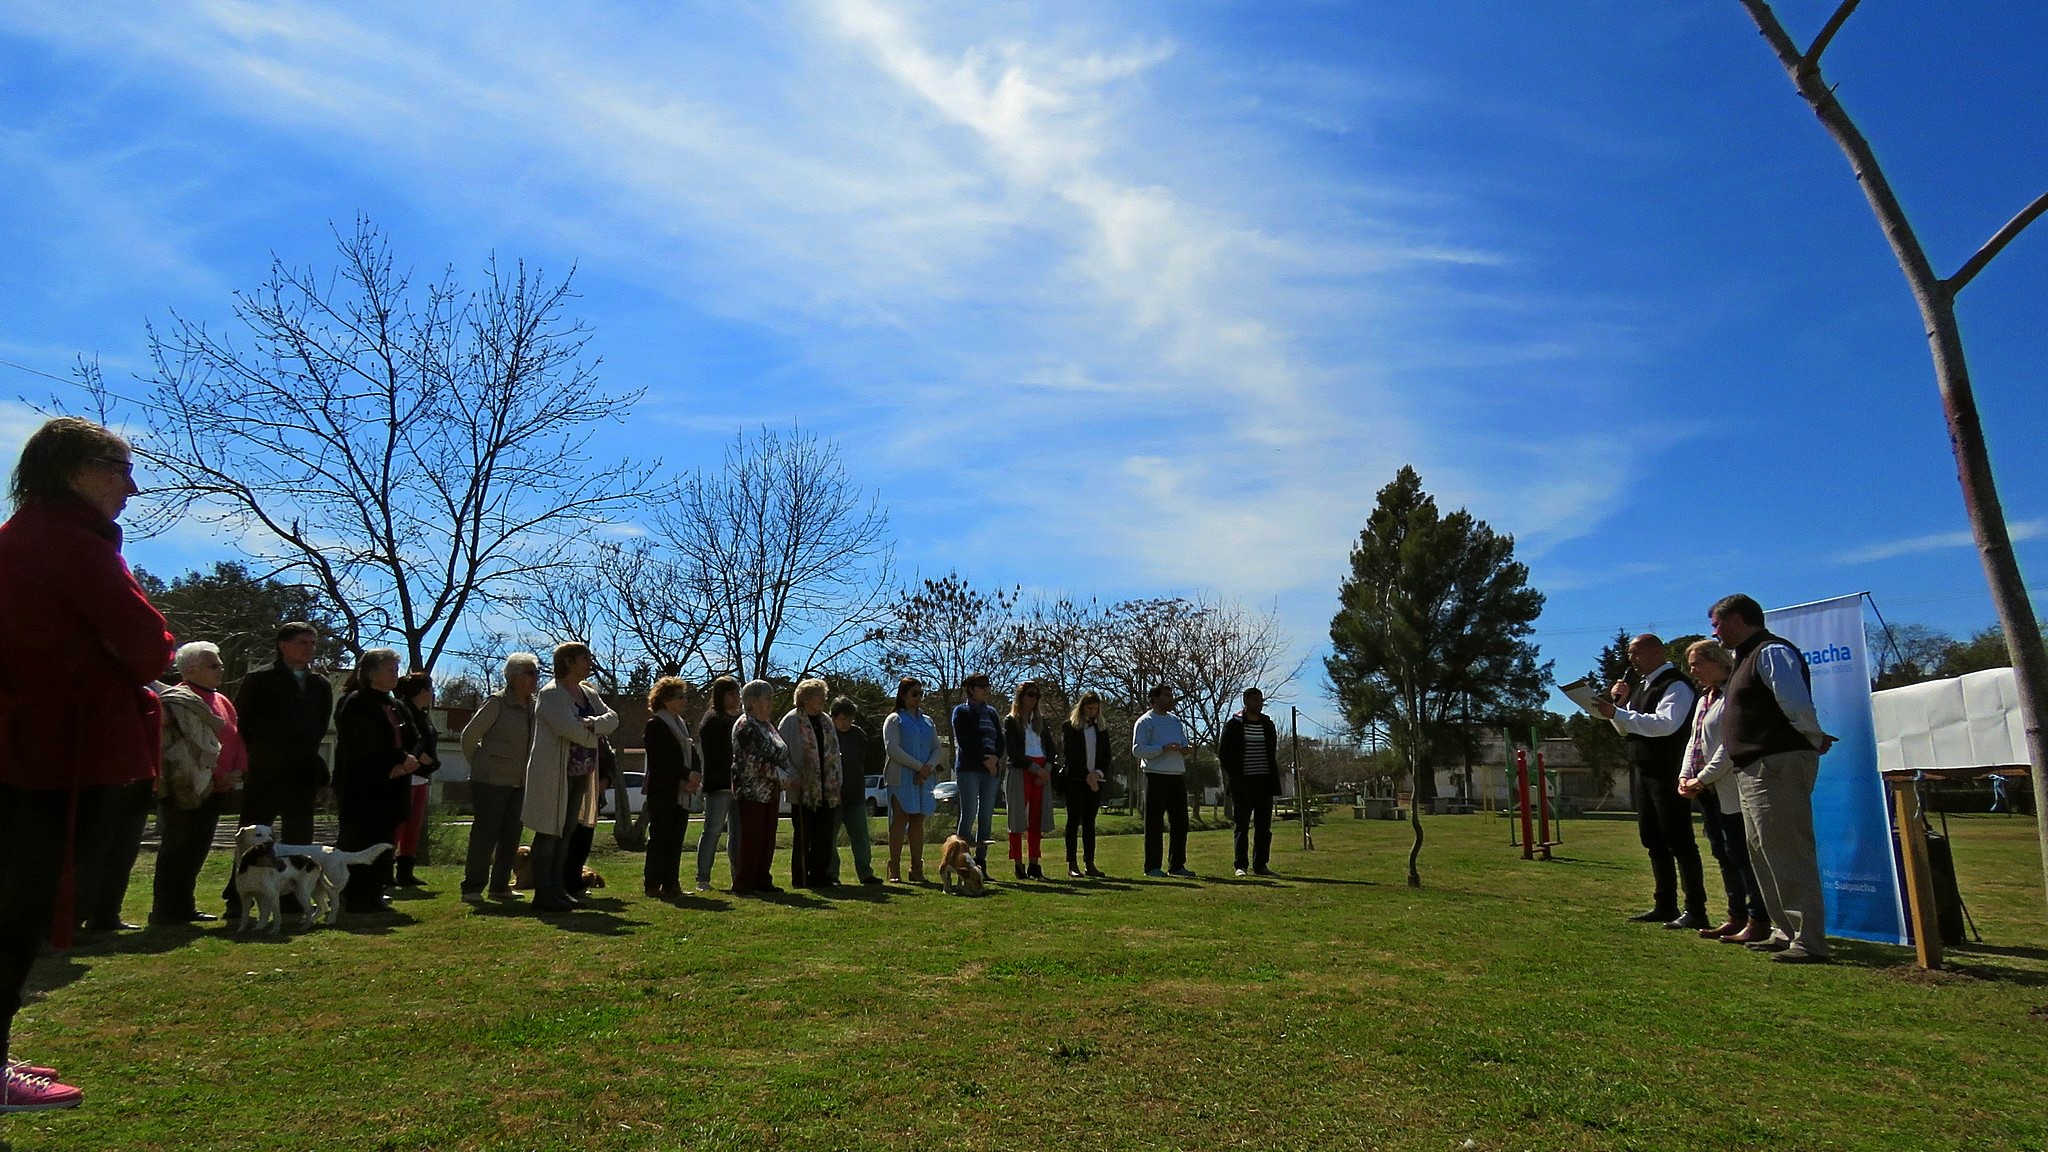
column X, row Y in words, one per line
column 1919, row 880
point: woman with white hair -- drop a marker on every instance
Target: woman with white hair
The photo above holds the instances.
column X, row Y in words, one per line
column 373, row 767
column 204, row 760
column 760, row 771
column 496, row 743
column 561, row 771
column 814, row 790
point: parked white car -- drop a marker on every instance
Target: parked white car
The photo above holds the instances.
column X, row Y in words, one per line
column 878, row 796
column 636, row 795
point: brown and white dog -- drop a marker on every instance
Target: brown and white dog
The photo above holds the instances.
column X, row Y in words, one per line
column 332, row 862
column 522, row 871
column 957, row 869
column 262, row 877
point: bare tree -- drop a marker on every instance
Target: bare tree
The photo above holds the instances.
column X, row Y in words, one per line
column 415, row 454
column 943, row 630
column 1065, row 644
column 1226, row 649
column 1936, row 297
column 786, row 551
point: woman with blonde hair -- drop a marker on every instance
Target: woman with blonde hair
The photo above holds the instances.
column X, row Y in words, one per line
column 814, row 786
column 673, row 774
column 1028, row 748
column 1086, row 756
column 911, row 764
column 561, row 773
column 1707, row 775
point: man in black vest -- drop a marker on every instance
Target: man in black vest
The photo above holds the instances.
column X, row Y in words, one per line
column 1774, row 737
column 1655, row 718
column 1250, row 751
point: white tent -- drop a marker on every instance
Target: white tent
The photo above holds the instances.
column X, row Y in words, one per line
column 1970, row 721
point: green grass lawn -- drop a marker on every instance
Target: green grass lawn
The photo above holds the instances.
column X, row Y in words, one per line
column 1505, row 1003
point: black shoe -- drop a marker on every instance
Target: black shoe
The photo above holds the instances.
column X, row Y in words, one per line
column 1035, row 872
column 550, row 902
column 1693, row 921
column 1653, row 916
column 1073, row 873
column 1264, row 872
column 111, row 926
column 1020, row 868
column 1094, row 873
column 871, row 879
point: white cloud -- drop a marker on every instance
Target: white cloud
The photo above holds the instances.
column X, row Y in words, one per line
column 1935, row 542
column 1136, row 333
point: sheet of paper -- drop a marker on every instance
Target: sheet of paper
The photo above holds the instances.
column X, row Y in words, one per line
column 1583, row 692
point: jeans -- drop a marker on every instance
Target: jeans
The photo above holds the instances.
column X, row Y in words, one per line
column 720, row 815
column 1166, row 802
column 977, row 811
column 183, row 835
column 1730, row 846
column 493, row 836
column 852, row 815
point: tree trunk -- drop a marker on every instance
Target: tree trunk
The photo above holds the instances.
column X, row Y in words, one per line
column 1936, row 300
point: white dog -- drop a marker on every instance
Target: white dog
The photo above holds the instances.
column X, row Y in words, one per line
column 332, row 862
column 262, row 877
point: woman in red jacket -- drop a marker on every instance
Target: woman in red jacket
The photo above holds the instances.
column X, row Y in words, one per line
column 70, row 614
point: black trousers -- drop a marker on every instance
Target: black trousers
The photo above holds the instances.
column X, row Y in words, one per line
column 184, row 836
column 284, row 802
column 109, row 839
column 367, row 820
column 32, row 833
column 666, row 824
column 1083, row 803
column 577, row 838
column 1664, row 824
column 1166, row 802
column 813, row 828
column 1251, row 825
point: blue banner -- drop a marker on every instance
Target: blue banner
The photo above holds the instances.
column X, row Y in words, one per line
column 1850, row 822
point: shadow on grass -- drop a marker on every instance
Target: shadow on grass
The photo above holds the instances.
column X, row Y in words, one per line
column 590, row 920
column 1291, row 879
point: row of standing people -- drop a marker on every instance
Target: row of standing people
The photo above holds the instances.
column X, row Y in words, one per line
column 1741, row 739
column 532, row 756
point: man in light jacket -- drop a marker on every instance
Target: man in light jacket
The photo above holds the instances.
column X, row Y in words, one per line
column 1160, row 742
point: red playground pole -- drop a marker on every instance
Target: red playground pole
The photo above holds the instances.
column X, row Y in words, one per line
column 1542, row 805
column 1522, row 785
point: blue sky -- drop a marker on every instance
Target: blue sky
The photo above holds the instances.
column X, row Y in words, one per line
column 1130, row 299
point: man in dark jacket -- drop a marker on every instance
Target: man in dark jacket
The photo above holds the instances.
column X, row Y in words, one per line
column 1250, row 750
column 284, row 710
column 1652, row 709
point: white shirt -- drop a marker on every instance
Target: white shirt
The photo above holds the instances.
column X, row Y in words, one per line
column 1034, row 748
column 1671, row 714
column 1088, row 738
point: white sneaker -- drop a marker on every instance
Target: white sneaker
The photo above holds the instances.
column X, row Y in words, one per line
column 1242, row 873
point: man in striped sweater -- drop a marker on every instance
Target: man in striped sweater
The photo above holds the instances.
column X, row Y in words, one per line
column 1251, row 762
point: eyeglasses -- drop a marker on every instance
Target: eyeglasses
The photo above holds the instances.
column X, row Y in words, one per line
column 125, row 467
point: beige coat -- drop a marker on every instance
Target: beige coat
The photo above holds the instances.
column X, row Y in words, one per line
column 816, row 783
column 556, row 728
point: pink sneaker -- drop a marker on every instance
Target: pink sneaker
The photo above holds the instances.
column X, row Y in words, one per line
column 28, row 1069
column 20, row 1092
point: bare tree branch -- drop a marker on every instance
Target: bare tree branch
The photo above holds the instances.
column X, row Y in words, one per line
column 1827, row 33
column 1996, row 244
